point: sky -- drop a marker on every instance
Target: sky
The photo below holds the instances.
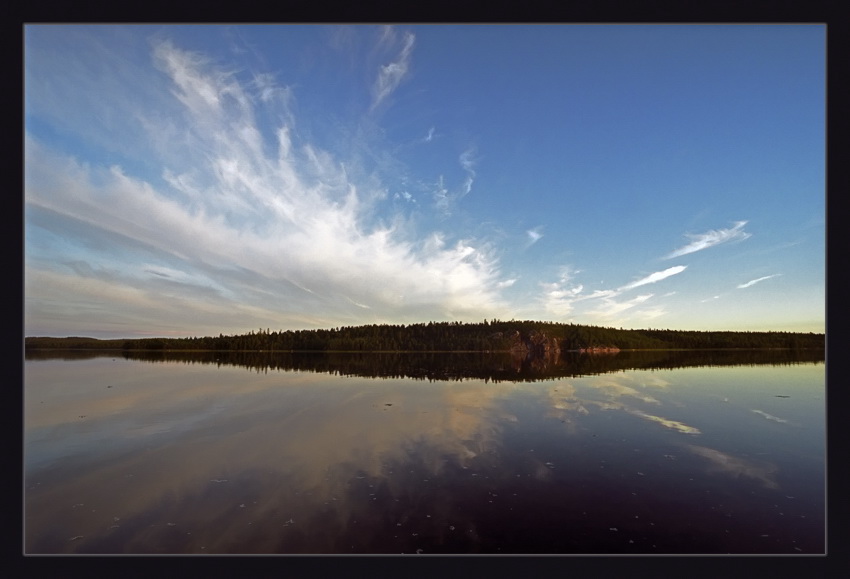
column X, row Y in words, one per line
column 191, row 180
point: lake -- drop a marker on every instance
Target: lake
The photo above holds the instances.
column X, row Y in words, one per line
column 261, row 453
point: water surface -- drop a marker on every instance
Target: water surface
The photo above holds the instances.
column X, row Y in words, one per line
column 419, row 454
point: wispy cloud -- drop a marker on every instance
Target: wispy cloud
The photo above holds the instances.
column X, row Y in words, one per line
column 467, row 161
column 404, row 195
column 608, row 308
column 558, row 297
column 710, row 239
column 359, row 305
column 254, row 222
column 441, row 196
column 755, row 281
column 444, row 199
column 563, row 296
column 390, row 75
column 655, row 277
column 534, row 236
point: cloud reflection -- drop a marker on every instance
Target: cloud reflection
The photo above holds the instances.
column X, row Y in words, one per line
column 199, row 458
column 292, row 443
column 734, row 466
column 770, row 416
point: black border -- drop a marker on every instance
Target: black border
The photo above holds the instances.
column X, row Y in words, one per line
column 592, row 11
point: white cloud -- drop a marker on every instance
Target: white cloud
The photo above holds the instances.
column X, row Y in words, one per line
column 391, row 75
column 534, row 236
column 267, row 87
column 558, row 298
column 599, row 294
column 261, row 222
column 404, row 195
column 655, row 277
column 197, row 91
column 711, row 238
column 468, row 164
column 563, row 297
column 441, row 197
column 444, row 198
column 359, row 305
column 755, row 281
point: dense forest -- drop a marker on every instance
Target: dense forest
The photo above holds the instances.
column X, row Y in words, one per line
column 529, row 337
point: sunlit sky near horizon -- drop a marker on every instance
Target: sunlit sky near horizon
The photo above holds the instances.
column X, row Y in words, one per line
column 204, row 179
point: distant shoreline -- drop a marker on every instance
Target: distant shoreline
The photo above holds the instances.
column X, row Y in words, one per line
column 520, row 338
column 180, row 350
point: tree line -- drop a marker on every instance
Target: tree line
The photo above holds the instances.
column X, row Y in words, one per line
column 493, row 335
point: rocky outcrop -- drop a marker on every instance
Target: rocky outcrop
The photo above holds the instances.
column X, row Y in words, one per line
column 534, row 344
column 539, row 345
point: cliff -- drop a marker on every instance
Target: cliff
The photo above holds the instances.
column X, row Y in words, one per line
column 534, row 344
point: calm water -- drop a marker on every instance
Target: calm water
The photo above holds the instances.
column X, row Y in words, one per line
column 430, row 454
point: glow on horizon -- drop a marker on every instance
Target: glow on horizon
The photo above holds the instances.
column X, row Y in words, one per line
column 206, row 179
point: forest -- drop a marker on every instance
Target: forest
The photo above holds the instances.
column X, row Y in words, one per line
column 531, row 337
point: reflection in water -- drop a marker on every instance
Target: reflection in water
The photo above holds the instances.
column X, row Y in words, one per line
column 735, row 466
column 496, row 366
column 613, row 388
column 770, row 416
column 124, row 456
column 674, row 424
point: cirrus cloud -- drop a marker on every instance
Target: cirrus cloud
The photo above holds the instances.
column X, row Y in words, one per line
column 655, row 277
column 278, row 226
column 711, row 238
column 391, row 75
column 757, row 280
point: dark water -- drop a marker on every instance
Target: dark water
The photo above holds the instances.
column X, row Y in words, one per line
column 205, row 453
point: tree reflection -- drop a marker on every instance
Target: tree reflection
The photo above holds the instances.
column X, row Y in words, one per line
column 496, row 367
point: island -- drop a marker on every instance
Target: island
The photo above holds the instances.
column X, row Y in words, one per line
column 527, row 338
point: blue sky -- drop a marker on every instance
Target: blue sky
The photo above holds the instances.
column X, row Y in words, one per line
column 205, row 179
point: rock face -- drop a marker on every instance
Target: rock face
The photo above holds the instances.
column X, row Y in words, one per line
column 538, row 345
column 535, row 344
